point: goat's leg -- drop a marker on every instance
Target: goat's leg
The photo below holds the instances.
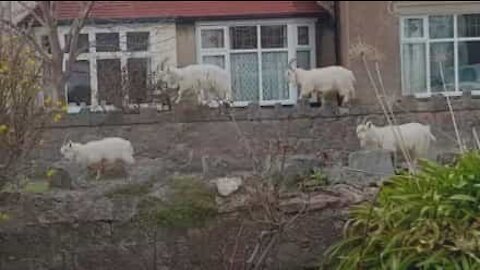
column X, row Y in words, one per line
column 344, row 100
column 100, row 169
column 180, row 96
column 394, row 159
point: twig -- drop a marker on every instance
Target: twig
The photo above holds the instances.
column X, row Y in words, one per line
column 450, row 109
column 265, row 252
column 385, row 111
column 235, row 247
column 475, row 136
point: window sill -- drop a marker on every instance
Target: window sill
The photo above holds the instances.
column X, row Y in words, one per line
column 75, row 109
column 450, row 94
column 241, row 104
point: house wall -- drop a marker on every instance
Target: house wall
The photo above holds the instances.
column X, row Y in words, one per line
column 186, row 44
column 325, row 38
column 372, row 23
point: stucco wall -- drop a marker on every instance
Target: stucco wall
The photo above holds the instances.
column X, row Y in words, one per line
column 186, row 44
column 372, row 23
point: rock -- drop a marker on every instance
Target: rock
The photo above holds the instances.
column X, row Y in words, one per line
column 60, row 179
column 228, row 185
column 367, row 167
column 374, row 161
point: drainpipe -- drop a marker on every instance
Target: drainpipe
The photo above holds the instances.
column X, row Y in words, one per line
column 337, row 26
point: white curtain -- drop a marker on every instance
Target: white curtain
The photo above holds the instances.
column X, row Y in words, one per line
column 414, row 68
column 244, row 74
column 274, row 81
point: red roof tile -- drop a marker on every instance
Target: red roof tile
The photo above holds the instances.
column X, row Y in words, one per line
column 188, row 9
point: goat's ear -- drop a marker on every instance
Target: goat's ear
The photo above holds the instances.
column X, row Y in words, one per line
column 368, row 124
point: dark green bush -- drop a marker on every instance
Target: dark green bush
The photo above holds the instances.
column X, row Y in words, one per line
column 430, row 220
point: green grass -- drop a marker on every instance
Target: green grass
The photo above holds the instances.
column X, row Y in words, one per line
column 29, row 187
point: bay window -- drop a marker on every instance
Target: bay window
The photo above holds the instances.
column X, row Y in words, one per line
column 109, row 63
column 440, row 54
column 256, row 55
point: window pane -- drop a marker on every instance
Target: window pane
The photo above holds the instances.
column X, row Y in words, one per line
column 469, row 65
column 218, row 60
column 212, row 38
column 78, row 85
column 107, row 42
column 274, row 36
column 414, row 68
column 413, row 28
column 302, row 35
column 303, row 59
column 469, row 25
column 137, row 41
column 46, row 43
column 137, row 78
column 274, row 81
column 441, row 26
column 109, row 79
column 441, row 55
column 243, row 37
column 244, row 73
column 82, row 44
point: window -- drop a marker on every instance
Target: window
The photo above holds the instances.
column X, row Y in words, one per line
column 45, row 43
column 440, row 54
column 79, row 90
column 117, row 69
column 256, row 55
column 137, row 41
column 109, row 79
column 212, row 38
column 138, row 69
column 107, row 42
column 82, row 43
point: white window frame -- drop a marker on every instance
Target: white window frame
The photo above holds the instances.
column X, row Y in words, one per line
column 291, row 49
column 427, row 41
column 92, row 56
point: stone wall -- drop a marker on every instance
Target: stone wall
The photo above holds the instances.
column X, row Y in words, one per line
column 196, row 139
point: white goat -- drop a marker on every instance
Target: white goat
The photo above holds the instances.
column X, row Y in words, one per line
column 107, row 150
column 208, row 82
column 415, row 137
column 323, row 81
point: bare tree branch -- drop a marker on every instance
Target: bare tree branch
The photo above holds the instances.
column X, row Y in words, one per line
column 33, row 11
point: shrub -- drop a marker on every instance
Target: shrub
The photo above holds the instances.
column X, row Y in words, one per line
column 430, row 220
column 21, row 115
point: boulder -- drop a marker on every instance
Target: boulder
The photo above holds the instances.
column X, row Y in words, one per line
column 228, row 185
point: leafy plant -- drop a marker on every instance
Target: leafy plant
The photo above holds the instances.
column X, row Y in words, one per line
column 315, row 178
column 22, row 115
column 428, row 220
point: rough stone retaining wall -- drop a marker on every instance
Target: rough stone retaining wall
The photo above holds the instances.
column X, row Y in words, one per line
column 193, row 139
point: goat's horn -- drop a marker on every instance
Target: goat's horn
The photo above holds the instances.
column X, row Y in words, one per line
column 291, row 62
